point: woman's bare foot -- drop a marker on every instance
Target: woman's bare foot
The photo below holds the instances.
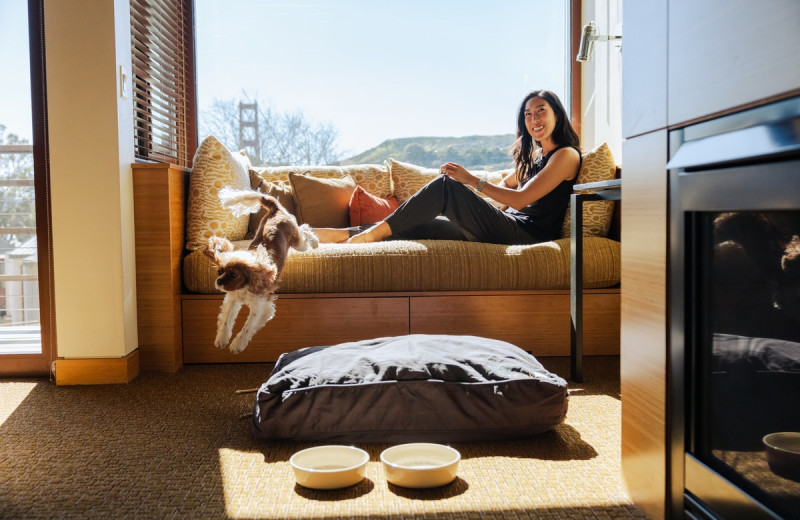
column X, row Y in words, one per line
column 376, row 233
column 331, row 235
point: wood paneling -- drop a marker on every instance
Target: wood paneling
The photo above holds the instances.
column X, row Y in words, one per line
column 644, row 326
column 159, row 209
column 537, row 321
column 102, row 371
column 298, row 323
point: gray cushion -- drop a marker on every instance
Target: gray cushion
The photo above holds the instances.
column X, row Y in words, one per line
column 435, row 388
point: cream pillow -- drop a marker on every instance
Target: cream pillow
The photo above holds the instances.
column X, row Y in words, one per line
column 409, row 178
column 598, row 165
column 374, row 178
column 322, row 202
column 214, row 167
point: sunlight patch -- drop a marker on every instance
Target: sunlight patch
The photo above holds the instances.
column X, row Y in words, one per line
column 251, row 485
column 13, row 395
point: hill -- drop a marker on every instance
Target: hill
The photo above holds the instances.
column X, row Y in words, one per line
column 480, row 152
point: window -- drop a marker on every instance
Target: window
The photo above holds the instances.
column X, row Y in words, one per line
column 359, row 81
column 163, row 80
column 27, row 327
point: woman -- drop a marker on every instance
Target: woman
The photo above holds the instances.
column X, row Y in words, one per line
column 534, row 197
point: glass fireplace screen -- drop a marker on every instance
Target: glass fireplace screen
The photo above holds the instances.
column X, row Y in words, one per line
column 746, row 326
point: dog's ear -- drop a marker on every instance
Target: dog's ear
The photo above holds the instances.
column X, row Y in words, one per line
column 264, row 274
column 263, row 277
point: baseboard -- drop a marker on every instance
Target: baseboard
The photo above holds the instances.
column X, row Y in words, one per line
column 97, row 371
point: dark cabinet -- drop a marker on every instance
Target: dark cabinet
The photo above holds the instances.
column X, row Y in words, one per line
column 725, row 55
column 684, row 62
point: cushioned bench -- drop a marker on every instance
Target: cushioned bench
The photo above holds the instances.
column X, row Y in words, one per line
column 339, row 293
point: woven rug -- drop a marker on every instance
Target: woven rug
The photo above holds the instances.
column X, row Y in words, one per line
column 169, row 446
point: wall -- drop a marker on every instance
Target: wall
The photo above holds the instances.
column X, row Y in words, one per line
column 601, row 80
column 91, row 149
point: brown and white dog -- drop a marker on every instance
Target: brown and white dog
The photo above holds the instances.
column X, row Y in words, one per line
column 250, row 277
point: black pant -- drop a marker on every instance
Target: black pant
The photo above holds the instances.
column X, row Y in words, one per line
column 445, row 209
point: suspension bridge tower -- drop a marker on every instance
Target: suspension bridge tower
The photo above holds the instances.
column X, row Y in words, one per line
column 248, row 130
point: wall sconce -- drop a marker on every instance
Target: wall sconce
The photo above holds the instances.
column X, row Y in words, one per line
column 588, row 38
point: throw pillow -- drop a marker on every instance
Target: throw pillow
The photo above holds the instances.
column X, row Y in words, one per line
column 374, row 178
column 598, row 165
column 322, row 202
column 280, row 190
column 214, row 167
column 410, row 178
column 368, row 209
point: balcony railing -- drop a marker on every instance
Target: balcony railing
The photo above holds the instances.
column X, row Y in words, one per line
column 19, row 298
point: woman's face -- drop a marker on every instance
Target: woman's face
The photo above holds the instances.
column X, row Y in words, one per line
column 540, row 120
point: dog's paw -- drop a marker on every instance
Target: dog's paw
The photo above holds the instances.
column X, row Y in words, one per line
column 309, row 238
column 237, row 345
column 221, row 341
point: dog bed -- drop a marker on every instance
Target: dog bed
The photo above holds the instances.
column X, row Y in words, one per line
column 435, row 388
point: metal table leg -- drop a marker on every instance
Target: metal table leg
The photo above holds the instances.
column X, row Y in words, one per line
column 576, row 286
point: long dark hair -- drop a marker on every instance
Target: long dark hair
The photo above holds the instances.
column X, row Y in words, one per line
column 525, row 150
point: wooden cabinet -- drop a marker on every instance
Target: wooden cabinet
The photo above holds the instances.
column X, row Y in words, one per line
column 643, row 341
column 159, row 206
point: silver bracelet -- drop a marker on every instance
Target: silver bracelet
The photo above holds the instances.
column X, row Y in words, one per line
column 480, row 185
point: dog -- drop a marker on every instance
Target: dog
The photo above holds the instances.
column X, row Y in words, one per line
column 250, row 277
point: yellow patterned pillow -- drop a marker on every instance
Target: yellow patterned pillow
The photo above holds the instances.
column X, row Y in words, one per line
column 598, row 165
column 374, row 178
column 409, row 178
column 214, row 167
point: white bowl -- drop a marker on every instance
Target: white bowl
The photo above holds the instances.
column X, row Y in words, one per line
column 420, row 464
column 329, row 467
column 783, row 453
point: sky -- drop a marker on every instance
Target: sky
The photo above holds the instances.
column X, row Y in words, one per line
column 15, row 87
column 378, row 69
column 373, row 69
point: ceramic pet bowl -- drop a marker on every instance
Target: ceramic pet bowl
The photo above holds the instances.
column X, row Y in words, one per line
column 420, row 465
column 329, row 467
column 783, row 454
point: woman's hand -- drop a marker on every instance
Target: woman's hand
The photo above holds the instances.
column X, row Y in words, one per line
column 459, row 173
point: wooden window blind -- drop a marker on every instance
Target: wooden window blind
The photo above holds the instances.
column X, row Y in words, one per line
column 162, row 44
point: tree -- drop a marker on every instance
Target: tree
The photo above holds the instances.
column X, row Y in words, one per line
column 283, row 137
column 17, row 197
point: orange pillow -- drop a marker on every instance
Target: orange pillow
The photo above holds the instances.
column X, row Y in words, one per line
column 366, row 208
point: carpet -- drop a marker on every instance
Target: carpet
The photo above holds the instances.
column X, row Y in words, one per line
column 175, row 446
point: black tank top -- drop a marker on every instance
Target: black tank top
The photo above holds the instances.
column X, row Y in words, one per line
column 543, row 219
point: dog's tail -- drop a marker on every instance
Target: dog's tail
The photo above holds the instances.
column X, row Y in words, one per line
column 244, row 202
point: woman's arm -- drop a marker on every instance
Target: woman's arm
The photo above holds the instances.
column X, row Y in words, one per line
column 562, row 166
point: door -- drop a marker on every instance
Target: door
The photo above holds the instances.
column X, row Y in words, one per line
column 26, row 326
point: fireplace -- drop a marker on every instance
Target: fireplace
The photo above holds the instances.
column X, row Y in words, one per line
column 734, row 312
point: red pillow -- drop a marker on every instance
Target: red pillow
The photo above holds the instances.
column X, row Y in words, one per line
column 368, row 209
